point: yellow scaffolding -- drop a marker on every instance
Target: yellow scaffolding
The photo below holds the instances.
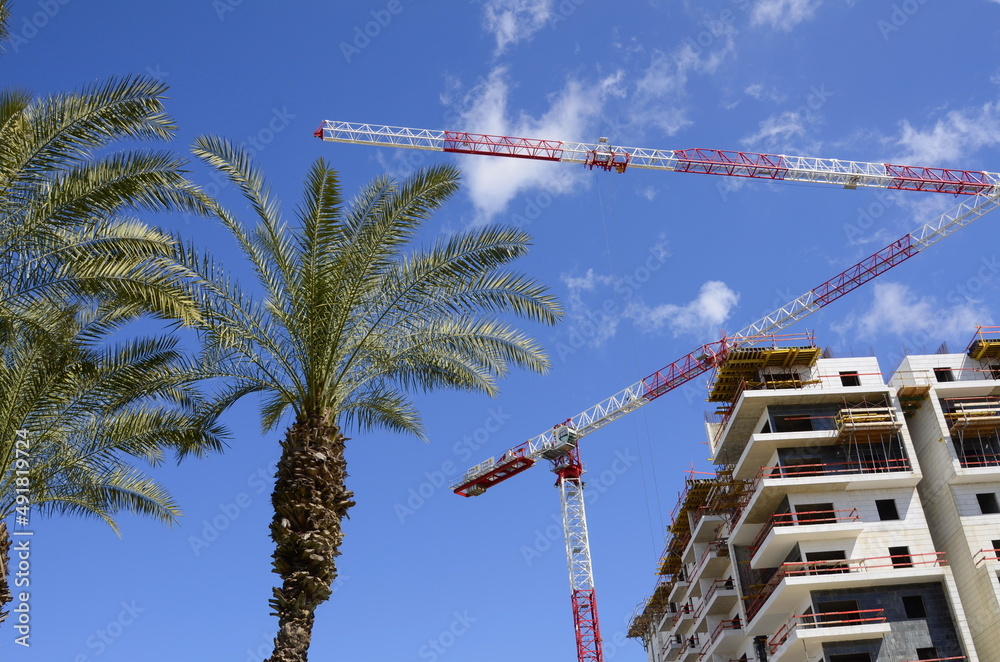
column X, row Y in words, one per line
column 754, row 368
column 983, row 347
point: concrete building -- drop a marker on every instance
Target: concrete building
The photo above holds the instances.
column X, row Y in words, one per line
column 849, row 520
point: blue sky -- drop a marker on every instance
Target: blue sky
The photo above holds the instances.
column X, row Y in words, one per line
column 649, row 265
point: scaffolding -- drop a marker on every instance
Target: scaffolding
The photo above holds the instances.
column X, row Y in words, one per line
column 765, row 367
column 717, row 495
column 985, row 344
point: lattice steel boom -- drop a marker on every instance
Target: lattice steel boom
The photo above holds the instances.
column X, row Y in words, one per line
column 553, row 443
column 603, row 155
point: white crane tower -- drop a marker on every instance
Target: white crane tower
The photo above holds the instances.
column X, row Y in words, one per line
column 559, row 445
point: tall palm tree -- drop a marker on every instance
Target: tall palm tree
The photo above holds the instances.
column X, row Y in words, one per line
column 77, row 413
column 352, row 318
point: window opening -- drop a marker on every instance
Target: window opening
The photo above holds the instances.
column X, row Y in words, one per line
column 886, row 509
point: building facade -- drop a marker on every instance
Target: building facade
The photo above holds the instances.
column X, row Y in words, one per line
column 849, row 520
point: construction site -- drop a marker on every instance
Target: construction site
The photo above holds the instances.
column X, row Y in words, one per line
column 793, row 549
column 849, row 518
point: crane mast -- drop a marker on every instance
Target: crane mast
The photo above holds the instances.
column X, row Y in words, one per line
column 559, row 444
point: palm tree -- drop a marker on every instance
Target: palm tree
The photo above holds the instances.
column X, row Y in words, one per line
column 352, row 318
column 67, row 197
column 75, row 265
column 76, row 412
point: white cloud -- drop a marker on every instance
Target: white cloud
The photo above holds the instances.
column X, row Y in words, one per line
column 761, row 92
column 657, row 98
column 783, row 14
column 705, row 314
column 897, row 310
column 492, row 183
column 776, row 132
column 511, row 21
column 952, row 137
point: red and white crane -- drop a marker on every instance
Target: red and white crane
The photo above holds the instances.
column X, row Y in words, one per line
column 559, row 444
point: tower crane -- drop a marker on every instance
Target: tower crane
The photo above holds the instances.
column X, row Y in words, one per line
column 560, row 444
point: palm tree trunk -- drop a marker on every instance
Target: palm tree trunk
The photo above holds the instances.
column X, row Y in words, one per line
column 309, row 499
column 5, row 595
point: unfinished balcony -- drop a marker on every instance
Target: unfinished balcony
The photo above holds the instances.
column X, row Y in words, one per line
column 782, row 588
column 709, row 561
column 783, row 531
column 720, row 598
column 803, row 635
column 725, row 639
column 974, row 426
column 872, row 468
column 866, row 422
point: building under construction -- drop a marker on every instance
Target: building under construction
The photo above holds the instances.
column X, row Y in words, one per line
column 851, row 518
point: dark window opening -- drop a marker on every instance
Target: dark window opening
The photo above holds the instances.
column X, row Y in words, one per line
column 851, row 657
column 996, row 545
column 826, row 567
column 803, row 465
column 850, row 379
column 900, row 557
column 886, row 509
column 837, row 610
column 767, row 427
column 988, row 503
column 780, row 379
column 793, row 424
column 944, row 374
column 995, row 371
column 929, row 653
column 815, row 513
column 914, row 606
column 977, row 448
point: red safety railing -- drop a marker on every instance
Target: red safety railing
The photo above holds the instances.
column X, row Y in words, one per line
column 973, row 461
column 984, row 555
column 806, row 518
column 840, row 566
column 825, row 619
column 942, row 659
column 723, row 584
column 728, row 624
column 860, row 466
column 683, row 610
column 716, row 548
